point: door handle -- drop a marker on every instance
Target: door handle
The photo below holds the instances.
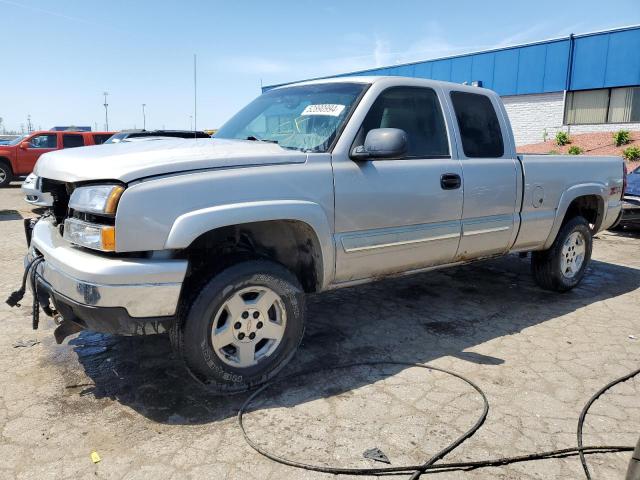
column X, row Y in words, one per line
column 450, row 181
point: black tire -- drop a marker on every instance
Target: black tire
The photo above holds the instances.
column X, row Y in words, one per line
column 6, row 174
column 191, row 335
column 546, row 265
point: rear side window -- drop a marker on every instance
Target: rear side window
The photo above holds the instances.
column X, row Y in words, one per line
column 479, row 125
column 416, row 111
column 70, row 141
column 99, row 138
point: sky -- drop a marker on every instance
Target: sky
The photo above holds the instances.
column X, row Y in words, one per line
column 58, row 57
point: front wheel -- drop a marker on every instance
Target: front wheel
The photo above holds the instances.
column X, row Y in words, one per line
column 6, row 174
column 562, row 267
column 243, row 327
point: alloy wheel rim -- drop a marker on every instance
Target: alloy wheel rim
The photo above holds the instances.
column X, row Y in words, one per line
column 248, row 327
column 572, row 255
column 3, row 175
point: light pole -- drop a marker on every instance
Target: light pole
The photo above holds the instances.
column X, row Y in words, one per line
column 106, row 112
column 144, row 117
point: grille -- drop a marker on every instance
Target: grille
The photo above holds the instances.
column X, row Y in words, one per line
column 60, row 191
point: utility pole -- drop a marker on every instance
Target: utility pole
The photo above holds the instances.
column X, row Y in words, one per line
column 29, row 126
column 106, row 112
column 144, row 117
column 195, row 97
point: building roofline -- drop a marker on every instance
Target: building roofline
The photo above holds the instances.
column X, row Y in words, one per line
column 461, row 55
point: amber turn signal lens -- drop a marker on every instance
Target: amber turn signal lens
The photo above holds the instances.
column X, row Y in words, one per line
column 112, row 200
column 108, row 236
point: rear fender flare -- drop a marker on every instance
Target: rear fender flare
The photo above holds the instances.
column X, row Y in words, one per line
column 568, row 196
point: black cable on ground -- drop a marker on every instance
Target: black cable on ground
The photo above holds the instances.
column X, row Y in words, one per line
column 583, row 414
column 429, row 466
column 15, row 297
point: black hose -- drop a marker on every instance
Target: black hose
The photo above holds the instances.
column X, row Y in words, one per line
column 583, row 414
column 429, row 466
column 15, row 297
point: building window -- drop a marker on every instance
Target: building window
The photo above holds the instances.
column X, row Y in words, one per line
column 624, row 105
column 608, row 105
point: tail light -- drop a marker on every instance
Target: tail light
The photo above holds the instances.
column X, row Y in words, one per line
column 624, row 178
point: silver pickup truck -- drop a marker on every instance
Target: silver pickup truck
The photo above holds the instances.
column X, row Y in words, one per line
column 310, row 187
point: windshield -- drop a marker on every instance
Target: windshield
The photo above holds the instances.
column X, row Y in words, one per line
column 116, row 138
column 306, row 118
column 17, row 140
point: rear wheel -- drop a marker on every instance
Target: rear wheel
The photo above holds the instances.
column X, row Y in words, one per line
column 6, row 174
column 243, row 327
column 562, row 267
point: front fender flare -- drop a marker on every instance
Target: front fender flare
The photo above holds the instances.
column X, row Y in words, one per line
column 189, row 226
column 568, row 196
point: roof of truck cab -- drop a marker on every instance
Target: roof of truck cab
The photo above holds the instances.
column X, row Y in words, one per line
column 370, row 80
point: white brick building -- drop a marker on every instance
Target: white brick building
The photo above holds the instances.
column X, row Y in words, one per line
column 533, row 115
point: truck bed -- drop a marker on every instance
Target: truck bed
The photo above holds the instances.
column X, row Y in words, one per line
column 549, row 179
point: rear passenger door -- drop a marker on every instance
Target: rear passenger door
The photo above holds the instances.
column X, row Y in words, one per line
column 394, row 215
column 72, row 140
column 490, row 177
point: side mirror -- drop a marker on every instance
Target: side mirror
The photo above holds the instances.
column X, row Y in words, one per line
column 382, row 143
column 24, row 145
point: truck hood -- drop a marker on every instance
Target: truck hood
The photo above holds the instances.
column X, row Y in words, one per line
column 135, row 160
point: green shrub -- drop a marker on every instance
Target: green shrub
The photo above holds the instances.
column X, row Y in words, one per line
column 621, row 137
column 562, row 138
column 575, row 150
column 631, row 153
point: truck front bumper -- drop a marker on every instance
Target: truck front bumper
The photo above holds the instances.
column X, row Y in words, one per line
column 33, row 194
column 105, row 293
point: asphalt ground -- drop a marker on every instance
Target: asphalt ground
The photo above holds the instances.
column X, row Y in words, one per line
column 538, row 356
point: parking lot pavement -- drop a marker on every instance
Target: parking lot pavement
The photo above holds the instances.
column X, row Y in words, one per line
column 538, row 356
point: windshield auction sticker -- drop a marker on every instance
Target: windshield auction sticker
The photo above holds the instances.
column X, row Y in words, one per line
column 331, row 109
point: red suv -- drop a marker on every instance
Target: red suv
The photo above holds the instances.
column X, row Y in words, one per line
column 18, row 157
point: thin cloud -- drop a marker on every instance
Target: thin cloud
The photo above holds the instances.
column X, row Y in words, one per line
column 379, row 53
column 47, row 12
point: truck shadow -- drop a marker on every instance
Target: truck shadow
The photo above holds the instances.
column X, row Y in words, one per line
column 412, row 319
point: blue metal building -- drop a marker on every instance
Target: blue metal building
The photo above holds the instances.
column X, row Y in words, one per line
column 603, row 68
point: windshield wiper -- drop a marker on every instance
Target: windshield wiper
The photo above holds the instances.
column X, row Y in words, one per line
column 256, row 139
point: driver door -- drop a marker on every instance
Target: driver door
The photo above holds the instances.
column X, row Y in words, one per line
column 395, row 215
column 37, row 145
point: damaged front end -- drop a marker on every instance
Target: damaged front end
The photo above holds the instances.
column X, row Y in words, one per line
column 42, row 298
column 84, row 290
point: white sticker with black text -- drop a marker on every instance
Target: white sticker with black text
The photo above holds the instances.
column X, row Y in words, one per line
column 331, row 109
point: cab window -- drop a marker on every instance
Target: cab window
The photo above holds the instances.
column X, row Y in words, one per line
column 100, row 138
column 415, row 110
column 72, row 140
column 478, row 124
column 44, row 141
